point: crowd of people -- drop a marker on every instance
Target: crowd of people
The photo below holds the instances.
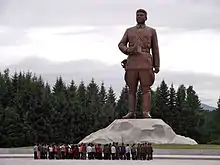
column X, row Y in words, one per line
column 112, row 151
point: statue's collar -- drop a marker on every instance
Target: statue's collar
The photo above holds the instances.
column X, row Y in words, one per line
column 140, row 25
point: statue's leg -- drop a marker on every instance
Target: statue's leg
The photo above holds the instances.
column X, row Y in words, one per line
column 131, row 79
column 147, row 78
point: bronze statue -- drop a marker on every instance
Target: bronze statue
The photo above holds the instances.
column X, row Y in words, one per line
column 138, row 43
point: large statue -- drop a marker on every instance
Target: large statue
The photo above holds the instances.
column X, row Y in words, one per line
column 140, row 64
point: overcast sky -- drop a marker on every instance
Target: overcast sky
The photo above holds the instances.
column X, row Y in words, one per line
column 63, row 30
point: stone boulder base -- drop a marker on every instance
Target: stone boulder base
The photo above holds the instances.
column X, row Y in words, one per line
column 130, row 131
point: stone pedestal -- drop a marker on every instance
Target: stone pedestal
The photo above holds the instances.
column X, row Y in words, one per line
column 130, row 131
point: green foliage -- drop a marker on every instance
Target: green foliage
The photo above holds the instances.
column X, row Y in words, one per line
column 33, row 111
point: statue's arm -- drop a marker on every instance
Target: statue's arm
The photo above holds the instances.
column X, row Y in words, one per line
column 155, row 50
column 123, row 43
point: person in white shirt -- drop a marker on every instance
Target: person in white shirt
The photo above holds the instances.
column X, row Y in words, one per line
column 128, row 152
column 113, row 151
column 35, row 151
column 51, row 155
column 89, row 151
column 93, row 151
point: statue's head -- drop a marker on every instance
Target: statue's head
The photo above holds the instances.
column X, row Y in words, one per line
column 141, row 16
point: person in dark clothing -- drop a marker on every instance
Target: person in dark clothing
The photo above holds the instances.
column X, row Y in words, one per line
column 105, row 151
column 122, row 152
column 99, row 152
column 40, row 148
column 133, row 152
column 138, row 151
column 59, row 155
column 45, row 148
column 76, row 152
column 84, row 152
column 143, row 152
column 149, row 152
column 117, row 151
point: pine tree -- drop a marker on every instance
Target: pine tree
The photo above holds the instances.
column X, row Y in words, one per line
column 180, row 108
column 72, row 90
column 92, row 111
column 193, row 109
column 59, row 86
column 110, row 105
column 2, row 128
column 80, row 113
column 92, row 91
column 162, row 101
column 172, row 108
column 81, row 94
column 12, row 132
column 102, row 94
column 60, row 112
column 218, row 104
column 111, row 98
column 122, row 105
column 214, row 125
column 31, row 111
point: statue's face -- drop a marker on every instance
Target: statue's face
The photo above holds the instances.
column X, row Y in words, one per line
column 140, row 17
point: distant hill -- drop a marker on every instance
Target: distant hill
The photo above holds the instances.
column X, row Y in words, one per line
column 206, row 85
column 207, row 107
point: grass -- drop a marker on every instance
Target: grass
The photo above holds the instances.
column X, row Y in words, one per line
column 176, row 146
column 27, row 147
column 198, row 147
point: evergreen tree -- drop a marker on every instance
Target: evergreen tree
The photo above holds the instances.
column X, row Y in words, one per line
column 60, row 113
column 2, row 128
column 71, row 90
column 80, row 113
column 12, row 128
column 31, row 111
column 214, row 129
column 81, row 94
column 101, row 115
column 110, row 105
column 180, row 108
column 192, row 112
column 121, row 108
column 102, row 94
column 93, row 107
column 162, row 102
column 172, row 108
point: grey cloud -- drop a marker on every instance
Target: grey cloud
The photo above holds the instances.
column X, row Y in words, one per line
column 12, row 36
column 78, row 33
column 207, row 86
column 190, row 14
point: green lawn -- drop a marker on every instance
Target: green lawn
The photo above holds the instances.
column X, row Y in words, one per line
column 199, row 146
column 176, row 146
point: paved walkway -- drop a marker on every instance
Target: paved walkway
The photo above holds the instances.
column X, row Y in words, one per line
column 107, row 162
column 191, row 157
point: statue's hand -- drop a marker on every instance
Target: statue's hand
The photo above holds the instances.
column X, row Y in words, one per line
column 131, row 50
column 156, row 69
column 123, row 63
column 135, row 49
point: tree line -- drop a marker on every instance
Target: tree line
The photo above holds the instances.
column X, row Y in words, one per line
column 33, row 111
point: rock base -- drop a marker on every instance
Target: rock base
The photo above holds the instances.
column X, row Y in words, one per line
column 130, row 131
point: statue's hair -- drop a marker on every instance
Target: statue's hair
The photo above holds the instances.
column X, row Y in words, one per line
column 142, row 11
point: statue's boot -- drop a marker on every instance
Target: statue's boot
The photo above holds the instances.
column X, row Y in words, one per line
column 131, row 107
column 146, row 101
